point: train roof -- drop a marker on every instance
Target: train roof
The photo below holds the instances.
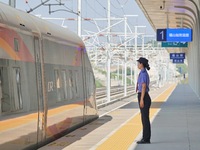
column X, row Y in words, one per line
column 17, row 18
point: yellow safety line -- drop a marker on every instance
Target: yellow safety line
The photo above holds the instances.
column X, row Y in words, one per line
column 125, row 136
column 15, row 122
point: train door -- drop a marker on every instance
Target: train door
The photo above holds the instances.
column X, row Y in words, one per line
column 70, row 78
column 17, row 93
column 4, row 91
column 90, row 111
column 64, row 81
column 58, row 84
column 85, row 91
column 39, row 86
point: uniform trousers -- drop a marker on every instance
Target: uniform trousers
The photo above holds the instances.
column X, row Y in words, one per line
column 145, row 116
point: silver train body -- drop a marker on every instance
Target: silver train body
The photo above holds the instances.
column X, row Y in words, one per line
column 47, row 86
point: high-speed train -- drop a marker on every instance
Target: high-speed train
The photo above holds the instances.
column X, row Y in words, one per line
column 47, row 86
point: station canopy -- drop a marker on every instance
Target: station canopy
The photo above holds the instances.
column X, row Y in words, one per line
column 169, row 13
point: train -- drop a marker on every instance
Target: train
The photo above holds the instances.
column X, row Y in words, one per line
column 47, row 85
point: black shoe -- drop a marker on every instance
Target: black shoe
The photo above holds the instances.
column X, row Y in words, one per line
column 143, row 142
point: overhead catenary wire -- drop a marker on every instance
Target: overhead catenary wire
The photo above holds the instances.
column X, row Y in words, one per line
column 90, row 20
column 122, row 8
column 27, row 3
column 107, row 9
column 110, row 12
column 123, row 3
column 76, row 13
column 122, row 11
column 69, row 10
column 88, row 4
column 115, row 6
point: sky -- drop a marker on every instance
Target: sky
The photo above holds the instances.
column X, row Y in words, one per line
column 90, row 9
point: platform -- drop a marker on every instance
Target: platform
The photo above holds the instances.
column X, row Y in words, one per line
column 175, row 125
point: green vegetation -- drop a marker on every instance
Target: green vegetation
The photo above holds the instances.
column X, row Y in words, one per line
column 128, row 71
column 101, row 71
column 114, row 76
column 182, row 68
column 98, row 83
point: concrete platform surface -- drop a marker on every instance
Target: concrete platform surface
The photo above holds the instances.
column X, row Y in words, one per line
column 105, row 132
column 177, row 125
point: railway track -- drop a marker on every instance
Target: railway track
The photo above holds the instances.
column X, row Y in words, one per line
column 114, row 90
column 116, row 94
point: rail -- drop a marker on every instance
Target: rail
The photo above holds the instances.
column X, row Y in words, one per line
column 117, row 94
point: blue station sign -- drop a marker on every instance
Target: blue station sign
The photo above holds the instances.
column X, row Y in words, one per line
column 178, row 61
column 179, row 35
column 174, row 35
column 177, row 55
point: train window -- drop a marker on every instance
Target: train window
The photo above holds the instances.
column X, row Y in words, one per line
column 64, row 81
column 17, row 89
column 76, row 83
column 16, row 44
column 70, row 84
column 88, row 83
column 57, row 83
column 92, row 82
column 4, row 90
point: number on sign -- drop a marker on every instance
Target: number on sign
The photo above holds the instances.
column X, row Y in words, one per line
column 162, row 33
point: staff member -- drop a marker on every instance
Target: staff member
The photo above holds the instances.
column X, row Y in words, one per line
column 144, row 99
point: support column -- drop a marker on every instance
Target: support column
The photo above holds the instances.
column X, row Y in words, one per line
column 125, row 56
column 143, row 53
column 108, row 76
column 108, row 54
column 79, row 18
column 118, row 73
column 135, row 69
